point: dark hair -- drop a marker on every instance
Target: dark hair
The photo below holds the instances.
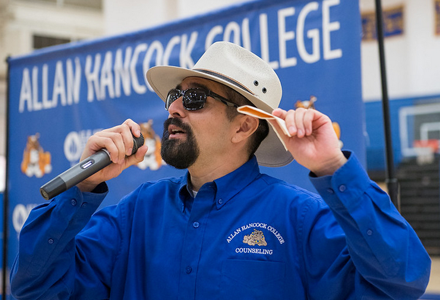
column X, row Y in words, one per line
column 263, row 127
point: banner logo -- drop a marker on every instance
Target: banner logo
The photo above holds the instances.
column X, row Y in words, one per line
column 310, row 104
column 75, row 142
column 35, row 162
column 152, row 158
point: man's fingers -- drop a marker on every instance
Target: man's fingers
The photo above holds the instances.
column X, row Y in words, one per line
column 112, row 142
column 137, row 157
column 280, row 113
column 118, row 140
column 308, row 121
column 134, row 127
column 299, row 122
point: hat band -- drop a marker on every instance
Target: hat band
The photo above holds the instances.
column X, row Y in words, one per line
column 224, row 78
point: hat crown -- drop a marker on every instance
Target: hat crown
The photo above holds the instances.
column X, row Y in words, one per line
column 249, row 74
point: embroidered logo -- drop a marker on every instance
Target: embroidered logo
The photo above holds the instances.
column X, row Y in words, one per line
column 255, row 238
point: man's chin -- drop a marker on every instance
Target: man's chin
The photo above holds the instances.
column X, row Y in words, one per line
column 177, row 154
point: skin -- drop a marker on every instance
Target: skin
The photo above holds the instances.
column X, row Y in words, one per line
column 314, row 143
column 222, row 142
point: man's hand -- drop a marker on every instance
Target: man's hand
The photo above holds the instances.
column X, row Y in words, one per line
column 119, row 143
column 313, row 142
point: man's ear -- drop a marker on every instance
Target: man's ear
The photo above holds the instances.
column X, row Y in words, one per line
column 246, row 126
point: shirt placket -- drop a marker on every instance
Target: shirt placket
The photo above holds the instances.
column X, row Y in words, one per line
column 193, row 241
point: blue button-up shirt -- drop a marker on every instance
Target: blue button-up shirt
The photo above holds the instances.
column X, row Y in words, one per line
column 245, row 236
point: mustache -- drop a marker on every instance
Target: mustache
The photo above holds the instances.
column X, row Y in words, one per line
column 177, row 122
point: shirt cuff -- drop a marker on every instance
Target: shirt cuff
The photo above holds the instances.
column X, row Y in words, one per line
column 349, row 182
column 87, row 201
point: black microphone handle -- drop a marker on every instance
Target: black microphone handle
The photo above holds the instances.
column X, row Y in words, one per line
column 81, row 171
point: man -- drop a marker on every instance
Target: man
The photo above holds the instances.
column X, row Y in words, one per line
column 224, row 230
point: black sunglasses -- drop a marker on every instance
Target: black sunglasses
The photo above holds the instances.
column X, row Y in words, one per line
column 194, row 98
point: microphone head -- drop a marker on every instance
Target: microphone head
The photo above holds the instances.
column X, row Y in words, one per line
column 137, row 143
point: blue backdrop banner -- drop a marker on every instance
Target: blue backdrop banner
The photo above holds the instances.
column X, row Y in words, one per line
column 62, row 95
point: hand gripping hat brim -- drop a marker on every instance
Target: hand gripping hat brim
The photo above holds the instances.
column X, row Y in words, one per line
column 242, row 71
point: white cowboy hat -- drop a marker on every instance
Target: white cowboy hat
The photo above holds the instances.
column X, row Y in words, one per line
column 242, row 71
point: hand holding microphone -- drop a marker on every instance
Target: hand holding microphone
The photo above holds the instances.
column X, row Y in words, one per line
column 115, row 146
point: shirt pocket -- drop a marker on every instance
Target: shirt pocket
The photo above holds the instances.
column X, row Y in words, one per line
column 251, row 279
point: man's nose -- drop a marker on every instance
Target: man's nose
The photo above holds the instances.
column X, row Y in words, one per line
column 176, row 108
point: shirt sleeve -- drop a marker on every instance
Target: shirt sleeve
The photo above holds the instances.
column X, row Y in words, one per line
column 381, row 256
column 45, row 264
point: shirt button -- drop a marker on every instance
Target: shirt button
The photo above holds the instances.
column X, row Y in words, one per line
column 369, row 232
column 73, row 202
column 196, row 224
column 84, row 204
column 330, row 191
column 220, row 201
column 188, row 270
column 50, row 241
column 342, row 188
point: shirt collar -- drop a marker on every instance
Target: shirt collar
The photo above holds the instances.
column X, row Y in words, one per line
column 226, row 187
column 231, row 184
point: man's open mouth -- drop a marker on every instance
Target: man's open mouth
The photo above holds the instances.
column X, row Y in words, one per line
column 175, row 131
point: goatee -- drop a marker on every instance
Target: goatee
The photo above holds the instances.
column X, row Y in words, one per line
column 178, row 153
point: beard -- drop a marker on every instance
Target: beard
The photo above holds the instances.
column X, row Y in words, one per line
column 178, row 153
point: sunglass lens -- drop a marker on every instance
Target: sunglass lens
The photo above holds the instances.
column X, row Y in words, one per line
column 172, row 96
column 194, row 99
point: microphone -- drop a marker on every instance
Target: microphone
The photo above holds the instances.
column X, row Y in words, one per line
column 82, row 170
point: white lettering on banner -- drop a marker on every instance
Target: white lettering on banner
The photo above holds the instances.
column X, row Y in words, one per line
column 328, row 27
column 59, row 89
column 117, row 72
column 175, row 40
column 264, row 42
column 216, row 30
column 20, row 215
column 73, row 81
column 122, row 72
column 36, row 105
column 185, row 50
column 311, row 34
column 232, row 29
column 25, row 91
column 140, row 89
column 157, row 48
column 107, row 77
column 92, row 77
column 67, row 91
column 246, row 34
column 75, row 142
column 284, row 36
column 46, row 100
